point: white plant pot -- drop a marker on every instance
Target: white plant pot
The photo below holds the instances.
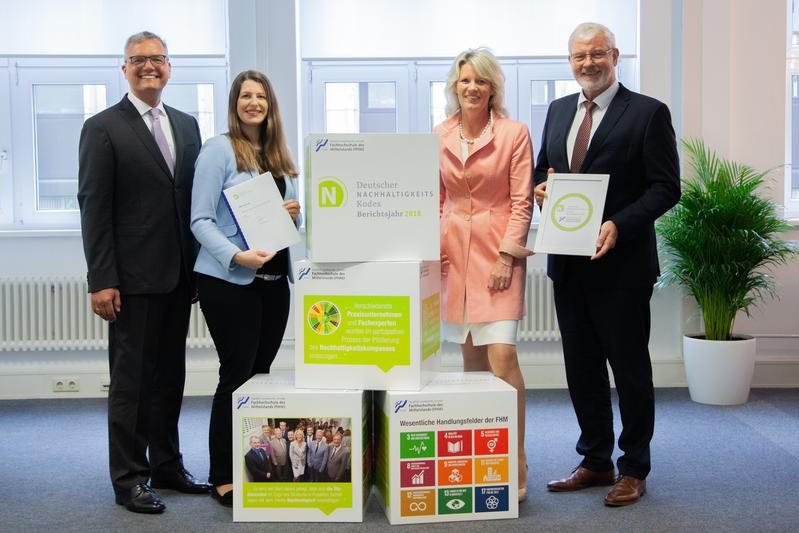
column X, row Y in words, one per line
column 719, row 372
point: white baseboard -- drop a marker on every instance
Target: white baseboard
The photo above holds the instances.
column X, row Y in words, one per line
column 31, row 374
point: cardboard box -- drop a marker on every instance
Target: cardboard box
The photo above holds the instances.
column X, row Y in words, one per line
column 367, row 325
column 449, row 451
column 372, row 197
column 268, row 399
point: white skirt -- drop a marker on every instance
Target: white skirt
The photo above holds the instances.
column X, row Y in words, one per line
column 497, row 332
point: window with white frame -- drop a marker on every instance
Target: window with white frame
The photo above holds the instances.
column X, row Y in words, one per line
column 357, row 97
column 50, row 85
column 409, row 96
column 51, row 98
column 50, row 105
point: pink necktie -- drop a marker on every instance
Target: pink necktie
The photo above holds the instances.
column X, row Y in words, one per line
column 583, row 136
column 160, row 140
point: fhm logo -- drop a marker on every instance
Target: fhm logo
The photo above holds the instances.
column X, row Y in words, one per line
column 304, row 272
column 400, row 405
column 332, row 192
column 321, row 143
column 242, row 402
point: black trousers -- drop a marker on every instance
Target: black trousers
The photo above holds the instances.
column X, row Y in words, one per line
column 599, row 326
column 247, row 323
column 147, row 360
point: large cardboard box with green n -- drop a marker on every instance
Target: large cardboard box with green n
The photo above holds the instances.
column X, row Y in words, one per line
column 366, row 325
column 372, row 197
column 449, row 451
column 266, row 490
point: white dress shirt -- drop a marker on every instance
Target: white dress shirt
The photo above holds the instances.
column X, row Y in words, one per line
column 144, row 111
column 602, row 102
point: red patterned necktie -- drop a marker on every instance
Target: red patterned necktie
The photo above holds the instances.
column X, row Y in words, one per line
column 583, row 136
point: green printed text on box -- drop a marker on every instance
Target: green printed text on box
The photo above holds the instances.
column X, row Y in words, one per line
column 357, row 330
column 327, row 497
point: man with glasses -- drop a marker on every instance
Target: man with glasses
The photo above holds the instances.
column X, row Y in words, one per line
column 602, row 302
column 136, row 166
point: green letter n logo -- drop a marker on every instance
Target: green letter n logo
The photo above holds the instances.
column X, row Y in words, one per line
column 331, row 192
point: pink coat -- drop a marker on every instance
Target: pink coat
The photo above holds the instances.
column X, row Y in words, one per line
column 485, row 208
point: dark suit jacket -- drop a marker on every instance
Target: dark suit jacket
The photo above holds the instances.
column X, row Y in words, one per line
column 635, row 144
column 134, row 214
column 338, row 463
column 258, row 465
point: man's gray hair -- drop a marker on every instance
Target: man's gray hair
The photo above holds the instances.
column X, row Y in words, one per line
column 143, row 36
column 588, row 30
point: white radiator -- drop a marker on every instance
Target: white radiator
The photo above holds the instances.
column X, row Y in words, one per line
column 540, row 322
column 54, row 314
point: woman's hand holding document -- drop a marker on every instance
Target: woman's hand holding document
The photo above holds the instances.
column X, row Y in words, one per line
column 259, row 211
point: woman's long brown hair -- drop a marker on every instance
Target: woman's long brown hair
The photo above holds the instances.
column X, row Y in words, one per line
column 270, row 134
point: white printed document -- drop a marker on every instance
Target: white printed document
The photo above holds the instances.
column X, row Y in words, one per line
column 257, row 208
column 572, row 214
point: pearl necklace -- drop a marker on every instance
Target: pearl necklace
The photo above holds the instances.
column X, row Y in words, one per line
column 483, row 132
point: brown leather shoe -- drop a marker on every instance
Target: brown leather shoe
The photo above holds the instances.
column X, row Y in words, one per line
column 582, row 478
column 627, row 490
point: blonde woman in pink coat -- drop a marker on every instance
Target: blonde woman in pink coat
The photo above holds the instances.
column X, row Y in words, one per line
column 486, row 171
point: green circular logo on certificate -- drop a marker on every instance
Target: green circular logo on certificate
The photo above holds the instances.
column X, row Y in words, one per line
column 324, row 317
column 572, row 212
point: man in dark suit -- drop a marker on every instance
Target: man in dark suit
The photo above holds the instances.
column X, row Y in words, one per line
column 135, row 179
column 338, row 462
column 258, row 462
column 602, row 302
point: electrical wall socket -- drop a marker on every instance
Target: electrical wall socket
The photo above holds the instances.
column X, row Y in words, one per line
column 66, row 384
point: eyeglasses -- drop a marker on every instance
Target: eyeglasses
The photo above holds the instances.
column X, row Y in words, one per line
column 596, row 55
column 157, row 60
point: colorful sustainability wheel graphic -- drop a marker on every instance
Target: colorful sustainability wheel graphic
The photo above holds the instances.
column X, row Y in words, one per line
column 324, row 317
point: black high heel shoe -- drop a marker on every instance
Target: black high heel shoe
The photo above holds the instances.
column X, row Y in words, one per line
column 225, row 499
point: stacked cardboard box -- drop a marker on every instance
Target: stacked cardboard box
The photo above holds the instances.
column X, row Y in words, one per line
column 449, row 451
column 338, row 495
column 367, row 304
column 367, row 298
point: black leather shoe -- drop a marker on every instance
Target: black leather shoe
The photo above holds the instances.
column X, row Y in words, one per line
column 141, row 499
column 180, row 481
column 225, row 499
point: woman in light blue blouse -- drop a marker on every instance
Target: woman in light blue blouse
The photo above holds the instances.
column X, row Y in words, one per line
column 244, row 293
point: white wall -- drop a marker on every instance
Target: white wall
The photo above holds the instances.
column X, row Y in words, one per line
column 99, row 27
column 442, row 28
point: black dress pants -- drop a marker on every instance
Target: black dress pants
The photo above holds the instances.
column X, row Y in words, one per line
column 599, row 326
column 147, row 360
column 247, row 323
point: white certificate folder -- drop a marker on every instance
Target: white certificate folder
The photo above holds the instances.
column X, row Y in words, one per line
column 257, row 208
column 571, row 214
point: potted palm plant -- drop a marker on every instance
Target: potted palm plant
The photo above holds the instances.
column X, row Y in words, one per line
column 719, row 242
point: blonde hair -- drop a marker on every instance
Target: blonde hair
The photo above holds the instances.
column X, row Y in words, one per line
column 270, row 133
column 487, row 67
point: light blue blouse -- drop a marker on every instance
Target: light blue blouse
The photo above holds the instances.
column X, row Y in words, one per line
column 211, row 221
